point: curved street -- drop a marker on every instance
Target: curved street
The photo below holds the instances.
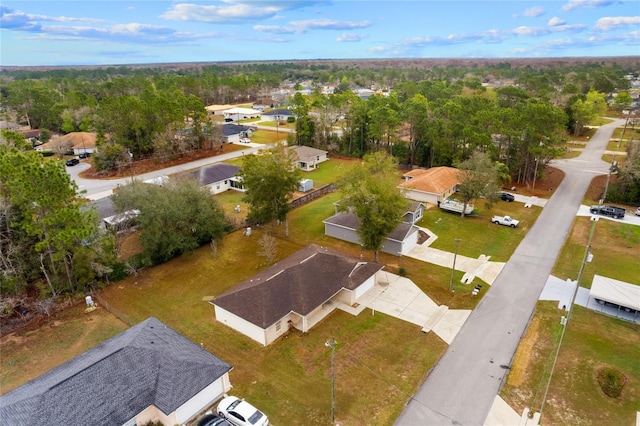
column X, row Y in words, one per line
column 464, row 383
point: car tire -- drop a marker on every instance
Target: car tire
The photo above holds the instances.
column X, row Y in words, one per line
column 513, row 226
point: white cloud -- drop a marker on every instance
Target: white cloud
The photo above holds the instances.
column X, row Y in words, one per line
column 350, row 38
column 577, row 4
column 555, row 21
column 613, row 22
column 219, row 14
column 233, row 11
column 329, row 24
column 533, row 12
column 298, row 27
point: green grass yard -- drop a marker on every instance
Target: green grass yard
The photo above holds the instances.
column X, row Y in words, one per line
column 592, row 341
column 615, row 247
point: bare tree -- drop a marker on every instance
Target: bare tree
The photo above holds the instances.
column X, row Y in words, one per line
column 60, row 146
column 268, row 248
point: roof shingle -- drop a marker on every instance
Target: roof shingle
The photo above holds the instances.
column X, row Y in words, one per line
column 148, row 364
column 299, row 283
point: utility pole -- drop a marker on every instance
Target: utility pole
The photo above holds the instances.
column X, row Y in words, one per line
column 565, row 322
column 535, row 175
column 606, row 187
column 453, row 268
column 332, row 344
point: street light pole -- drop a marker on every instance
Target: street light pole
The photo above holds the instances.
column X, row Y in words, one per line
column 453, row 268
column 332, row 344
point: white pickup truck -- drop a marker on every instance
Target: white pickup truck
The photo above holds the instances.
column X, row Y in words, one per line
column 505, row 220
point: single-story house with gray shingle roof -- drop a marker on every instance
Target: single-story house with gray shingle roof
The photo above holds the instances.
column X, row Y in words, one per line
column 234, row 132
column 219, row 177
column 277, row 114
column 308, row 157
column 344, row 226
column 297, row 292
column 146, row 373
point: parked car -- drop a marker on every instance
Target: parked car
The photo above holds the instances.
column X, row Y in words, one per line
column 505, row 196
column 638, row 211
column 611, row 211
column 72, row 162
column 213, row 420
column 240, row 413
column 84, row 155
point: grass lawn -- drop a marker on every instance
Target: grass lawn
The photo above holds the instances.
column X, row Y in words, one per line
column 592, row 341
column 34, row 350
column 477, row 234
column 615, row 247
column 600, row 121
column 279, row 379
column 620, row 146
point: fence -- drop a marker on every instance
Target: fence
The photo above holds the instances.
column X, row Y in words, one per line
column 316, row 193
column 121, row 316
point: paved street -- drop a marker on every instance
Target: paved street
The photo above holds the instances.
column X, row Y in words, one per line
column 463, row 385
column 100, row 188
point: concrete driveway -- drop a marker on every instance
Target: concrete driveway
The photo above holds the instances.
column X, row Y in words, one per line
column 481, row 267
column 399, row 297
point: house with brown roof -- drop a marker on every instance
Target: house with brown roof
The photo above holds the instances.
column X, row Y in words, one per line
column 308, row 157
column 432, row 185
column 79, row 142
column 297, row 292
column 344, row 226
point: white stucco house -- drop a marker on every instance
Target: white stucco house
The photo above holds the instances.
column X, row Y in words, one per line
column 297, row 292
column 432, row 185
column 219, row 177
column 239, row 113
column 308, row 158
column 148, row 373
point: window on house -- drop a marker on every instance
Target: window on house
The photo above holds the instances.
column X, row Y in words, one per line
column 278, row 325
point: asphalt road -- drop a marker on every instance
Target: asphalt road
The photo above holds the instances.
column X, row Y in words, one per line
column 100, row 188
column 464, row 383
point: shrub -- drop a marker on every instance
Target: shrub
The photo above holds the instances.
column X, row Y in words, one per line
column 291, row 119
column 611, row 381
column 402, row 271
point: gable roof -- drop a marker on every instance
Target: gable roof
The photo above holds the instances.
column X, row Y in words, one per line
column 215, row 173
column 435, row 180
column 306, row 153
column 230, row 129
column 352, row 221
column 299, row 283
column 278, row 112
column 148, row 364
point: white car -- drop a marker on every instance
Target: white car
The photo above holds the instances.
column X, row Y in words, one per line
column 240, row 413
column 638, row 211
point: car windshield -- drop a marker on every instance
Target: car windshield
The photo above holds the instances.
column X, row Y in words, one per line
column 234, row 404
column 255, row 417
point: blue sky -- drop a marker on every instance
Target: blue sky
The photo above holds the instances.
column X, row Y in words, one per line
column 97, row 32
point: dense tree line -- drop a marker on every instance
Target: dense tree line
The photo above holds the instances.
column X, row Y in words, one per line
column 419, row 117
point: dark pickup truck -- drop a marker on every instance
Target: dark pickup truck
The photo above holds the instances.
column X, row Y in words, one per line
column 615, row 212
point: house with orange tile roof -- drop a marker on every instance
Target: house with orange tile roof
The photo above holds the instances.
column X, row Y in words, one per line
column 432, row 185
